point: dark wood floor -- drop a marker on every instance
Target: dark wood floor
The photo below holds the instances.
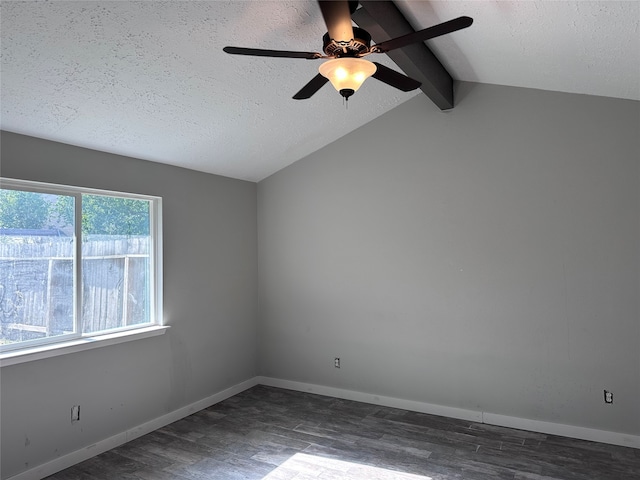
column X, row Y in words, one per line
column 268, row 433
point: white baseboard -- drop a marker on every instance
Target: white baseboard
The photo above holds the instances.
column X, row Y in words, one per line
column 102, row 446
column 83, row 454
column 582, row 433
column 549, row 428
column 373, row 399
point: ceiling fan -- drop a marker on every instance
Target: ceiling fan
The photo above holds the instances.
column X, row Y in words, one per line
column 344, row 46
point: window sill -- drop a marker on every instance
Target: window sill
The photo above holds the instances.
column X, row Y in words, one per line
column 79, row 345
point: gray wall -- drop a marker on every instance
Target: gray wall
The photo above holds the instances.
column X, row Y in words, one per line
column 210, row 302
column 487, row 258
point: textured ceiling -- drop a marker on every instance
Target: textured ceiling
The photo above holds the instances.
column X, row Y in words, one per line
column 150, row 80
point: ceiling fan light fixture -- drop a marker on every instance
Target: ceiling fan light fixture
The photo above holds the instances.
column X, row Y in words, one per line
column 347, row 74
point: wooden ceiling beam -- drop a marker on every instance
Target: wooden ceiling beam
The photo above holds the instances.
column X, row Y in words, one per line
column 384, row 21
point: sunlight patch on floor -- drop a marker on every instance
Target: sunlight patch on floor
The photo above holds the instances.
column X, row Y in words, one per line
column 306, row 467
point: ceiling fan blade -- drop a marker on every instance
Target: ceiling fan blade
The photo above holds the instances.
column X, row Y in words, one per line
column 337, row 17
column 310, row 88
column 259, row 52
column 422, row 35
column 395, row 79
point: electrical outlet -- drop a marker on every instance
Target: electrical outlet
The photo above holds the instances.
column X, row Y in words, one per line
column 75, row 413
column 608, row 396
column 336, row 362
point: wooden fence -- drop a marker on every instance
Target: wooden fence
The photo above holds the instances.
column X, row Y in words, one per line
column 36, row 285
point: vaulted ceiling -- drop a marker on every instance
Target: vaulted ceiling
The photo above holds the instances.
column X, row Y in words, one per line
column 150, row 79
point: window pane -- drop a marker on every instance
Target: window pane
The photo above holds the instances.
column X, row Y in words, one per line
column 36, row 265
column 116, row 272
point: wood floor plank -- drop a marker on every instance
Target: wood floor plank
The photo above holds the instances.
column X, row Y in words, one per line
column 267, row 433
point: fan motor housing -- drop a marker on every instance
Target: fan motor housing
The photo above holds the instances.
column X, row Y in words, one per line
column 355, row 47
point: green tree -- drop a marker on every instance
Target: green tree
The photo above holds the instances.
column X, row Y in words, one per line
column 20, row 209
column 114, row 215
column 102, row 215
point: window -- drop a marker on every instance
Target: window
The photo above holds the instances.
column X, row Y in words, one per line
column 76, row 263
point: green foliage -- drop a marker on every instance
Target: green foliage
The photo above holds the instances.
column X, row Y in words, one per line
column 20, row 209
column 63, row 209
column 103, row 215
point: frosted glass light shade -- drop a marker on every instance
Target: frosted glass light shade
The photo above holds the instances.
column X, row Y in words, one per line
column 347, row 73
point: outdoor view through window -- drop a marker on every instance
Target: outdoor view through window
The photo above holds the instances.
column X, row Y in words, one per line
column 39, row 262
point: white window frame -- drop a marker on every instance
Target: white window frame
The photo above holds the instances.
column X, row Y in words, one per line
column 67, row 343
